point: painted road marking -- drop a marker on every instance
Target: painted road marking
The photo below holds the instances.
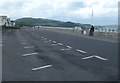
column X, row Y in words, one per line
column 60, row 44
column 34, row 69
column 65, row 49
column 100, row 58
column 30, row 47
column 81, row 51
column 29, row 54
column 42, row 37
column 23, row 43
column 95, row 57
column 50, row 40
column 69, row 47
column 45, row 38
column 88, row 57
column 54, row 41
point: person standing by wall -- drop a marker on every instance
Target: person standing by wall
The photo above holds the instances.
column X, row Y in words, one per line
column 91, row 31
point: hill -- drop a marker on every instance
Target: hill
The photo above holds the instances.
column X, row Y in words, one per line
column 48, row 22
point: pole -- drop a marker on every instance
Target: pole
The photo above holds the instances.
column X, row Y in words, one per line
column 92, row 17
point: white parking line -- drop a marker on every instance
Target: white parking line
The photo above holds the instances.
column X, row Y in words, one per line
column 95, row 57
column 60, row 44
column 69, row 47
column 34, row 69
column 65, row 49
column 29, row 54
column 81, row 51
column 30, row 47
column 88, row 57
column 54, row 41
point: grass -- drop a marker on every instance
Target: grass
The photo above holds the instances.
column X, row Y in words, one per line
column 6, row 28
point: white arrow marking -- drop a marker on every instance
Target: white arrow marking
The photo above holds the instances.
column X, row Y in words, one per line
column 100, row 58
column 95, row 57
column 88, row 57
column 81, row 51
column 29, row 54
column 34, row 69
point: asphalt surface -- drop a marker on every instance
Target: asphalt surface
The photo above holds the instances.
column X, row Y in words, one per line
column 0, row 54
column 40, row 55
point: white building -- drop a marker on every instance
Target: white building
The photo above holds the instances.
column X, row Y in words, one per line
column 109, row 28
column 4, row 20
column 12, row 23
column 77, row 28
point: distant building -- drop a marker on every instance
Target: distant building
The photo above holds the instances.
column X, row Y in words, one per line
column 12, row 23
column 109, row 28
column 77, row 28
column 4, row 20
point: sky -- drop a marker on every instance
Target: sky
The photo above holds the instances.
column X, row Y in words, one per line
column 105, row 12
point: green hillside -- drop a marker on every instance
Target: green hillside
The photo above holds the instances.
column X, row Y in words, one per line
column 47, row 22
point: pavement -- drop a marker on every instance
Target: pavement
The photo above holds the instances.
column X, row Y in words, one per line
column 42, row 55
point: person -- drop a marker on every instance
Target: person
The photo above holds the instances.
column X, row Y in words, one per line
column 91, row 31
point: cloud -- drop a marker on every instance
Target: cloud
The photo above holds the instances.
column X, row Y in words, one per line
column 74, row 10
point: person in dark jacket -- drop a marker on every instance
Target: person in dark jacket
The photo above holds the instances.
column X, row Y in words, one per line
column 91, row 31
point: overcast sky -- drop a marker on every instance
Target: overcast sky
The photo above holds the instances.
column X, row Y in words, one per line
column 105, row 12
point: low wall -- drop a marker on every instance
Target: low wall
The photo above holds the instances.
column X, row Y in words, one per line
column 86, row 32
column 106, row 34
